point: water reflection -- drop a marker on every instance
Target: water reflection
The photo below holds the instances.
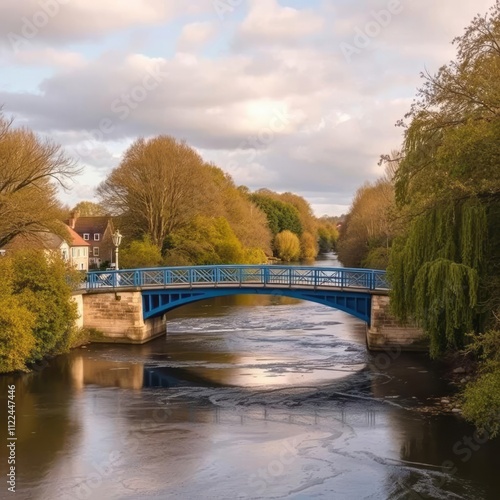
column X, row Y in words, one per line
column 104, row 373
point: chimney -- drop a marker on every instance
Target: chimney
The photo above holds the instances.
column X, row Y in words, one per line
column 73, row 216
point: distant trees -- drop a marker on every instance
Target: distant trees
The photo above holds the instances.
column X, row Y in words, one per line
column 190, row 210
column 368, row 229
column 289, row 212
column 90, row 209
column 287, row 246
column 30, row 168
column 328, row 233
column 281, row 216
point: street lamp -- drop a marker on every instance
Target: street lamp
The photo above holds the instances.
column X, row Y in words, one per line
column 117, row 239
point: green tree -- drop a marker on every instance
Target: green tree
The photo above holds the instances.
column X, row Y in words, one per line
column 328, row 233
column 41, row 286
column 246, row 219
column 210, row 240
column 140, row 253
column 481, row 403
column 287, row 246
column 281, row 216
column 16, row 324
column 445, row 267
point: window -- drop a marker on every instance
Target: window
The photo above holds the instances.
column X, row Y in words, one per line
column 97, row 237
column 96, row 252
column 78, row 252
column 85, row 252
column 86, row 236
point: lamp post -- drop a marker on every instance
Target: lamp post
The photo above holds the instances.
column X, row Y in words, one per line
column 117, row 239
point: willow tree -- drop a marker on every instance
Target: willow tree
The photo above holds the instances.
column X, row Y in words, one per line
column 445, row 267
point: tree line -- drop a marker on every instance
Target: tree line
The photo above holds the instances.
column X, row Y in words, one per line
column 181, row 211
column 434, row 219
column 172, row 207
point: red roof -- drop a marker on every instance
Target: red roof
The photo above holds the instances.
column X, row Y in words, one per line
column 76, row 239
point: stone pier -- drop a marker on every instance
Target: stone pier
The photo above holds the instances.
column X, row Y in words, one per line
column 385, row 332
column 118, row 316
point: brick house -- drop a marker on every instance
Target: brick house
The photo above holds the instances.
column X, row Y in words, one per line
column 97, row 232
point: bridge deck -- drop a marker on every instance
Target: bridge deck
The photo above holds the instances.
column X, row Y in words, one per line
column 265, row 276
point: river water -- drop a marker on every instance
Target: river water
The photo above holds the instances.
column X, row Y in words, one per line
column 246, row 397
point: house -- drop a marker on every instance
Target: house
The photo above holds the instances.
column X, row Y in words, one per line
column 49, row 242
column 73, row 250
column 97, row 232
column 79, row 251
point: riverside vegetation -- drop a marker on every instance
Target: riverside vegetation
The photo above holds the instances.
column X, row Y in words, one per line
column 433, row 220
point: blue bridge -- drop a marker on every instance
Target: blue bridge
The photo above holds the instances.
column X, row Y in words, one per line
column 164, row 289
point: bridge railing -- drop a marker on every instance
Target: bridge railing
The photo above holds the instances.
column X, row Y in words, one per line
column 234, row 275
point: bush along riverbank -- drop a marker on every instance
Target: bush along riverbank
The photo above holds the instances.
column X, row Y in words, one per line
column 37, row 315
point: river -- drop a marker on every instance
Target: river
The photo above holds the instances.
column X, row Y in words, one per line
column 246, row 397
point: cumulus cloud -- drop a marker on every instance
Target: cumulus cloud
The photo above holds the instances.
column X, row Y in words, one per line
column 268, row 22
column 63, row 21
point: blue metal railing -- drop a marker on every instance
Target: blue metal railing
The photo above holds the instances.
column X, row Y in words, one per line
column 237, row 275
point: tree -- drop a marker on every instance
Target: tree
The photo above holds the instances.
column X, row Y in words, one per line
column 41, row 285
column 16, row 324
column 445, row 267
column 210, row 240
column 328, row 233
column 30, row 168
column 246, row 219
column 140, row 253
column 37, row 314
column 481, row 403
column 368, row 227
column 287, row 246
column 281, row 216
column 156, row 189
column 308, row 247
column 89, row 209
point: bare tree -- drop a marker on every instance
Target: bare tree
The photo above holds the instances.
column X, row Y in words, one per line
column 29, row 170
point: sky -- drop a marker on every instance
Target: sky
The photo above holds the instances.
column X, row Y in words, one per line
column 291, row 95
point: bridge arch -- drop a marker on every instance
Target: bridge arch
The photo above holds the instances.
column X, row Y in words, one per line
column 160, row 301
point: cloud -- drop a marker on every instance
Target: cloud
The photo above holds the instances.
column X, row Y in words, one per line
column 65, row 21
column 195, row 35
column 268, row 22
column 271, row 98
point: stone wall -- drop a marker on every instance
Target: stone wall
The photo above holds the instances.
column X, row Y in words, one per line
column 386, row 332
column 118, row 316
